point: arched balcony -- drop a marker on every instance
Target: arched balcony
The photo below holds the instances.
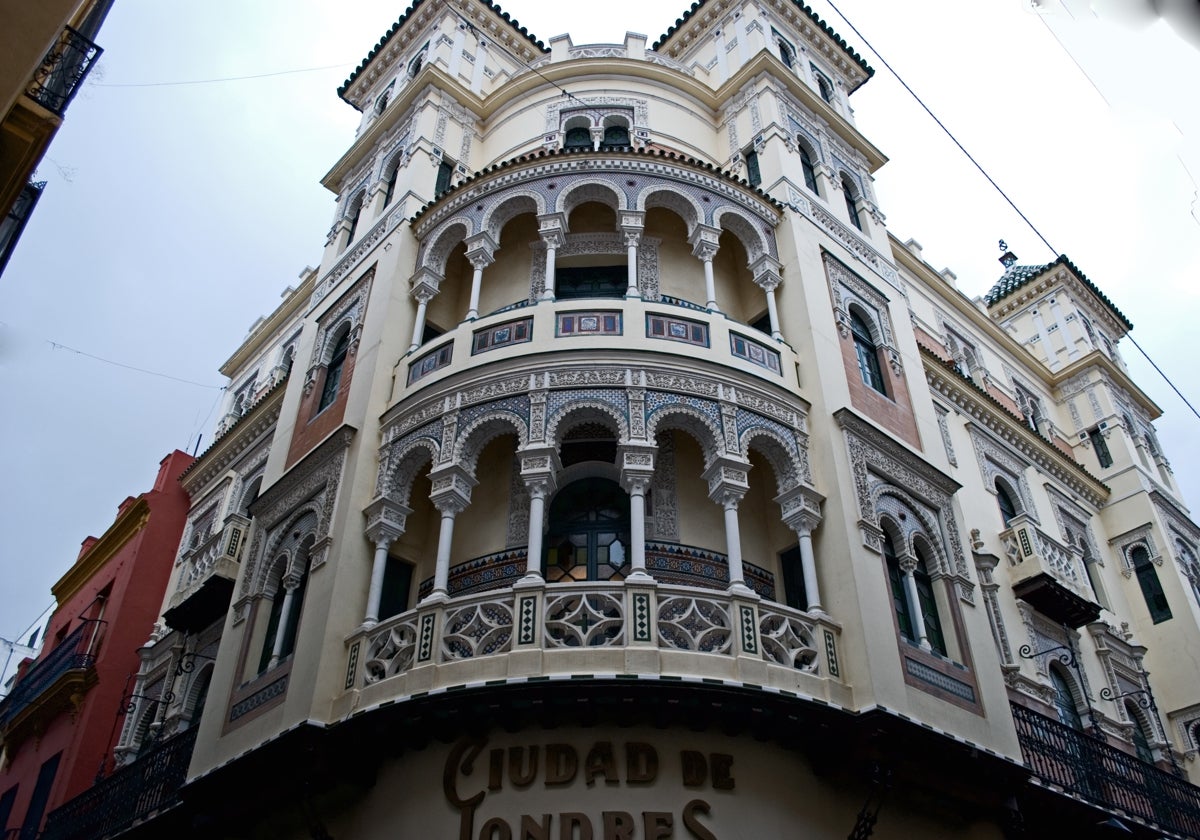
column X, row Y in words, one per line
column 608, row 473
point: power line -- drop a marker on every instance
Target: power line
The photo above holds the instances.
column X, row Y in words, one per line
column 223, row 78
column 996, row 186
column 58, row 346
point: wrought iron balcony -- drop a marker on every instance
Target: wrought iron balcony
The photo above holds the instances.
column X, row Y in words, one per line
column 147, row 786
column 66, row 669
column 62, row 71
column 13, row 223
column 596, row 628
column 1080, row 764
column 207, row 576
column 1048, row 575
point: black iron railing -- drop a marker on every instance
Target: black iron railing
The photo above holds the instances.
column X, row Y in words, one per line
column 62, row 71
column 15, row 220
column 77, row 652
column 149, row 785
column 1099, row 772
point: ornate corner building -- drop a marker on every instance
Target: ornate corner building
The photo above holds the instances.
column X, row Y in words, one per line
column 619, row 475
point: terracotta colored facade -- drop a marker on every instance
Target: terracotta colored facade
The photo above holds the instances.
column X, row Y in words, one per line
column 61, row 719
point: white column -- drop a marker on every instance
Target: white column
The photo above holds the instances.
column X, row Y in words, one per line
column 375, row 593
column 637, row 529
column 710, row 286
column 808, row 567
column 537, row 512
column 285, row 614
column 441, row 572
column 631, row 245
column 773, row 315
column 419, row 323
column 705, row 242
column 476, row 282
column 914, row 603
column 551, row 246
column 733, row 543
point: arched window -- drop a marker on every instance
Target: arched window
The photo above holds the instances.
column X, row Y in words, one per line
column 198, row 696
column 1064, row 699
column 1152, row 591
column 352, row 216
column 823, row 84
column 753, row 173
column 867, row 353
column 445, row 175
column 589, row 532
column 1141, row 742
column 851, row 197
column 1008, row 508
column 393, row 174
column 333, row 372
column 280, row 639
column 809, row 170
column 615, row 137
column 579, row 137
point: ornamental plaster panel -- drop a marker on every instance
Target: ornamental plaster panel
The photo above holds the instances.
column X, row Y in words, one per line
column 313, row 482
column 679, row 202
column 583, row 377
column 560, row 173
column 699, row 418
column 665, row 519
column 996, row 460
column 1125, row 543
column 502, row 209
column 518, row 507
column 876, row 458
column 613, row 404
column 348, row 310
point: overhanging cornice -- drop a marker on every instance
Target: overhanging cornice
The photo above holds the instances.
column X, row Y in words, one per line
column 215, row 460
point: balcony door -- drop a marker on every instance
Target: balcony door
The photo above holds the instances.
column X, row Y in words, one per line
column 589, row 532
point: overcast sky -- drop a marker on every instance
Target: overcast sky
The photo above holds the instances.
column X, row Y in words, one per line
column 176, row 214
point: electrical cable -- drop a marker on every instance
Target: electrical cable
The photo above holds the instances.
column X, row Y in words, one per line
column 223, row 79
column 58, row 346
column 996, row 186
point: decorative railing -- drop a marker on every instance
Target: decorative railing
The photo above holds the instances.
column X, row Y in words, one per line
column 149, row 785
column 224, row 545
column 62, row 71
column 598, row 620
column 1081, row 764
column 1032, row 551
column 77, row 652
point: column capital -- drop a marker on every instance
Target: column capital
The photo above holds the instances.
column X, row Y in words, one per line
column 632, row 221
column 908, row 563
column 705, row 242
column 800, row 508
column 451, row 488
column 425, row 283
column 767, row 272
column 481, row 249
column 290, row 581
column 636, row 461
column 552, row 222
column 386, row 520
column 728, row 479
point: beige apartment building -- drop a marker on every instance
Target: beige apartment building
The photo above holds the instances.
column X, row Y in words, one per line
column 618, row 475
